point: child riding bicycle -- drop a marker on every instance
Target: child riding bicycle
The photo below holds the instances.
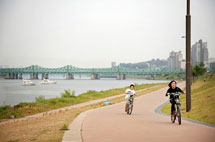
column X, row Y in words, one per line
column 129, row 94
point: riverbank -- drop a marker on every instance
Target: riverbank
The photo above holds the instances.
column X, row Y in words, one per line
column 202, row 100
column 51, row 127
column 179, row 76
column 66, row 99
column 13, row 93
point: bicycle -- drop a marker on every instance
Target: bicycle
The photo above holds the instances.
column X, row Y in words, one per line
column 130, row 105
column 176, row 113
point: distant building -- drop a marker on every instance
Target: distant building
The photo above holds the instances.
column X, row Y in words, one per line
column 175, row 60
column 199, row 53
column 195, row 54
column 183, row 64
column 212, row 65
column 113, row 64
column 211, row 62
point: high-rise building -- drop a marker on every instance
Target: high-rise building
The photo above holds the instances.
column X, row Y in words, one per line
column 205, row 54
column 195, row 53
column 199, row 53
column 175, row 60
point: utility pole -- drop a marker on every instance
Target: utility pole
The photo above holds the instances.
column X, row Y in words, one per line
column 188, row 64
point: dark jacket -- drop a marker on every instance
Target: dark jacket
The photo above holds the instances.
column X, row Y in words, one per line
column 170, row 90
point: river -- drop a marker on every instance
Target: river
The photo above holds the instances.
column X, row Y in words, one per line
column 12, row 92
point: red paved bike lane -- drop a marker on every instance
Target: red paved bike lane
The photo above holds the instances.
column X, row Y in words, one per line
column 112, row 124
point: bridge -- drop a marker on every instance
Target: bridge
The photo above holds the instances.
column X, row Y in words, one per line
column 69, row 71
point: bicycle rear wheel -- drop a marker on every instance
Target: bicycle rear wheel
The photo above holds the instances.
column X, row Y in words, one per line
column 179, row 114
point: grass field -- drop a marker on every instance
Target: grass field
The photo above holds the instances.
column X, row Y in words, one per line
column 202, row 100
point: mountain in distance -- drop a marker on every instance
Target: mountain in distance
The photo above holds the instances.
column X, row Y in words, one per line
column 161, row 63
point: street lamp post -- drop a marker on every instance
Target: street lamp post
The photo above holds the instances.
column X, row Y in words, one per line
column 188, row 64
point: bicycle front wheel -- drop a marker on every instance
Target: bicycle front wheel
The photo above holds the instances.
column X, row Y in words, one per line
column 173, row 117
column 179, row 114
column 130, row 108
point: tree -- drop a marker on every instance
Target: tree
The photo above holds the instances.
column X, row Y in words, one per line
column 198, row 70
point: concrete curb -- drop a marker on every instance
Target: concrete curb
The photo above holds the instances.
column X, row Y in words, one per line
column 74, row 134
column 158, row 110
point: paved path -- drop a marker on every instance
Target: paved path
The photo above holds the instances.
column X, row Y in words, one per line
column 111, row 124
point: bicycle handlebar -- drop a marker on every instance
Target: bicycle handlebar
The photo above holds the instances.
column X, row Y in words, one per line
column 175, row 94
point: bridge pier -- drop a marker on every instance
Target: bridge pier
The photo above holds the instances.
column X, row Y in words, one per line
column 45, row 76
column 118, row 77
column 7, row 76
column 121, row 77
column 12, row 76
column 16, row 75
column 95, row 76
column 124, row 77
column 20, row 76
column 153, row 76
column 69, row 76
column 34, row 76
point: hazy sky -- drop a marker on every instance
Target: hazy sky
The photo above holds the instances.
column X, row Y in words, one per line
column 92, row 33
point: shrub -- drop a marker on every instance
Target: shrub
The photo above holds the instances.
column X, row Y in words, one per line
column 4, row 109
column 91, row 91
column 68, row 94
column 40, row 99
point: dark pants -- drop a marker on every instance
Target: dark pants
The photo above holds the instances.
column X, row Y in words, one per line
column 172, row 106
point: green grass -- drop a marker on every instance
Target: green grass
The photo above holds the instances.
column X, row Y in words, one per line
column 67, row 99
column 178, row 76
column 202, row 100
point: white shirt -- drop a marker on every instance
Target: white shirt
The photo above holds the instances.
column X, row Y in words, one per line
column 129, row 92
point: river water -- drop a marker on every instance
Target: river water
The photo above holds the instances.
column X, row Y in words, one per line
column 12, row 92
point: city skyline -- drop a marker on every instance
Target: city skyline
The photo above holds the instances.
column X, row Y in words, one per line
column 175, row 60
column 94, row 33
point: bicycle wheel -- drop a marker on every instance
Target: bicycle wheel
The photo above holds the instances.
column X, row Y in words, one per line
column 179, row 114
column 173, row 117
column 130, row 109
